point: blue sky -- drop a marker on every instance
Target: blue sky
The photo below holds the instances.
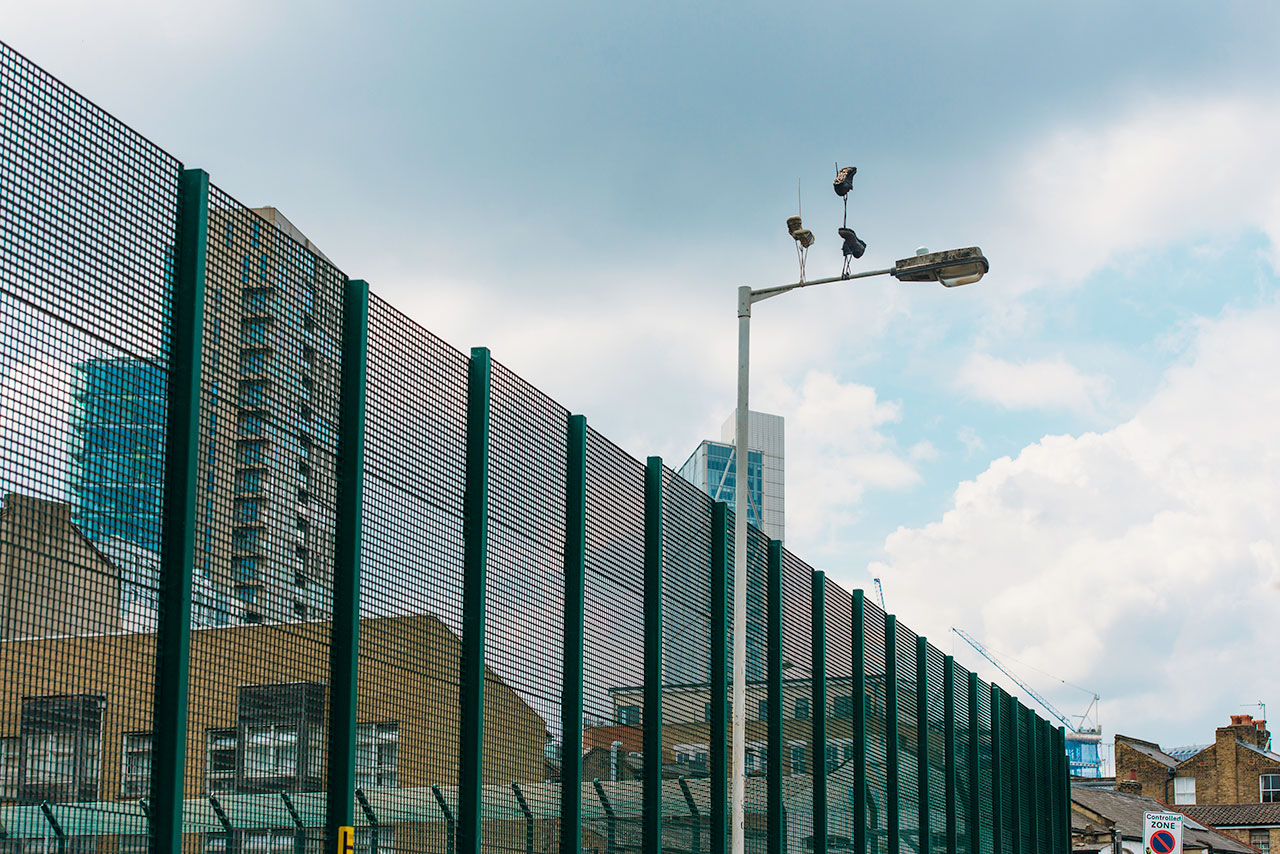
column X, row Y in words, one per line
column 1046, row 459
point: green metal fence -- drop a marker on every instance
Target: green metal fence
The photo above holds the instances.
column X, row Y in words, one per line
column 277, row 561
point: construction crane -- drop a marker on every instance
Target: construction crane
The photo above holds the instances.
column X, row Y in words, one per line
column 1083, row 739
column 879, row 593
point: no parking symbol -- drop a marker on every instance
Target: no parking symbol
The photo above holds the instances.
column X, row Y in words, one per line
column 1162, row 832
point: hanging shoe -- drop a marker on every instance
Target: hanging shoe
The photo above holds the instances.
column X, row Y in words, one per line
column 852, row 245
column 844, row 180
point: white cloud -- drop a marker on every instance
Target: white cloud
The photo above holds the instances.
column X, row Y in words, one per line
column 1048, row 384
column 1172, row 170
column 923, row 451
column 1140, row 561
column 837, row 449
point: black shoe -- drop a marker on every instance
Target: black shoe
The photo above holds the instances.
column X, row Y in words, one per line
column 852, row 245
column 844, row 181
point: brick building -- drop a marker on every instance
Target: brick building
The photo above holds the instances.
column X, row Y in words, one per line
column 1237, row 768
column 1232, row 784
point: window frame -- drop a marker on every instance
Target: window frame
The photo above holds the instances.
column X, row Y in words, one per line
column 1273, row 790
column 135, row 784
column 378, row 773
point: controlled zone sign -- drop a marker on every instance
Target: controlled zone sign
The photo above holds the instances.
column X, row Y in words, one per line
column 1162, row 832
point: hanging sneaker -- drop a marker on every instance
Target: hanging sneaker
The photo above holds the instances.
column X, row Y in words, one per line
column 844, row 180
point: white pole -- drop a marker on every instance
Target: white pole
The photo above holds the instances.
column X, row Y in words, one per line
column 737, row 774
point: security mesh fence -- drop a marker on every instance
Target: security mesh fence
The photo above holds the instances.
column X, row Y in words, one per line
column 91, row 267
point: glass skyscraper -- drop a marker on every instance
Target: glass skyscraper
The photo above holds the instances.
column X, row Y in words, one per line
column 712, row 467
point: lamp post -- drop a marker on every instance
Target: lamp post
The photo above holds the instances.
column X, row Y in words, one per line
column 951, row 269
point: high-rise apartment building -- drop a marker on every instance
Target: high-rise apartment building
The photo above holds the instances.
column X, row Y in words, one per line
column 267, row 468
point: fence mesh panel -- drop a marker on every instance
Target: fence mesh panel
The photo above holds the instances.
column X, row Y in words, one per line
column 613, row 648
column 935, row 663
column 797, row 694
column 411, row 582
column 877, row 735
column 686, row 664
column 88, row 214
column 840, row 743
column 908, row 731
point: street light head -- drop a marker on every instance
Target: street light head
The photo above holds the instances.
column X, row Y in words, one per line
column 952, row 268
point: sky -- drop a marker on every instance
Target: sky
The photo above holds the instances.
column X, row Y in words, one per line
column 1073, row 460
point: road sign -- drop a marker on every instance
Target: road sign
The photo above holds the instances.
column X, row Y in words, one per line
column 1162, row 832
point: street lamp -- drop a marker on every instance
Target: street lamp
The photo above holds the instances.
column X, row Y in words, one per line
column 951, row 268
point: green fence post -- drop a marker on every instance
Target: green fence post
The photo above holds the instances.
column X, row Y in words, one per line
column 922, row 743
column 818, row 631
column 892, row 770
column 1065, row 784
column 949, row 748
column 651, row 792
column 997, row 774
column 719, row 677
column 182, row 448
column 975, row 773
column 475, row 544
column 1035, row 777
column 773, row 705
column 344, row 630
column 575, row 568
column 1013, row 725
column 859, row 723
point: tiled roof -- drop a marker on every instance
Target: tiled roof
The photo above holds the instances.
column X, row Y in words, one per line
column 1126, row 811
column 1233, row 815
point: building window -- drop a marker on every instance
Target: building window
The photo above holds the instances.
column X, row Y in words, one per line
column 844, row 707
column 252, row 454
column 135, row 768
column 833, row 757
column 1261, row 839
column 706, row 712
column 762, row 710
column 61, row 742
column 267, row 842
column 248, row 511
column 1184, row 790
column 377, row 746
column 280, row 731
column 1269, row 788
column 802, row 708
column 797, row 760
column 9, row 756
column 629, row 715
column 220, row 760
column 270, row 751
column 249, row 482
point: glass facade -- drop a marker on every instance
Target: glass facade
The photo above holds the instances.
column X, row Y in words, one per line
column 712, row 469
